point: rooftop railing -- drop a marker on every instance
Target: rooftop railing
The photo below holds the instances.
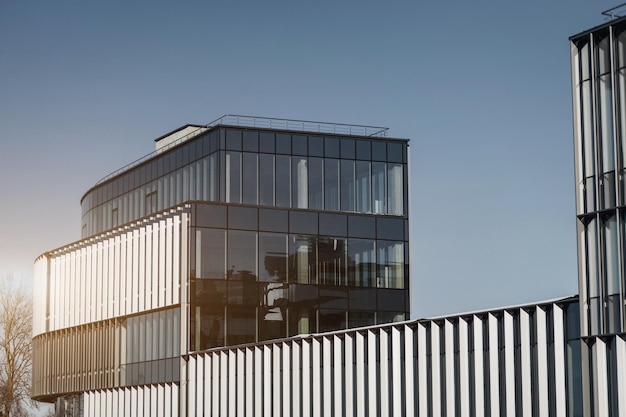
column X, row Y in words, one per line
column 615, row 12
column 300, row 125
column 263, row 123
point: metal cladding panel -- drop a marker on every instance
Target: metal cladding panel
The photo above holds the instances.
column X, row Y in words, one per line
column 463, row 385
column 397, row 384
column 327, row 381
column 199, row 385
column 494, row 367
column 384, row 372
column 435, row 366
column 338, row 383
column 559, row 359
column 372, row 370
column 600, row 383
column 620, row 369
column 191, row 384
column 40, row 295
column 422, row 370
column 409, row 365
column 458, row 366
column 349, row 394
column 541, row 365
column 525, row 363
column 360, row 374
column 479, row 366
column 450, row 387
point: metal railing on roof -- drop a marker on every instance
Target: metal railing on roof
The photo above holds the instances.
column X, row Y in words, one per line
column 263, row 123
column 300, row 125
column 616, row 12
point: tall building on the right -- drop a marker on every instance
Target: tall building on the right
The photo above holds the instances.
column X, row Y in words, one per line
column 598, row 60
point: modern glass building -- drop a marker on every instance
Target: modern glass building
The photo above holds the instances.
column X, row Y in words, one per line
column 240, row 231
column 598, row 58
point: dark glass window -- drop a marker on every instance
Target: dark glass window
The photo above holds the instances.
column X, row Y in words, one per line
column 210, row 253
column 316, row 146
column 273, row 257
column 347, row 148
column 361, row 262
column 330, row 320
column 283, row 143
column 361, row 318
column 362, row 298
column 266, row 142
column 299, row 145
column 303, row 222
column 379, row 151
column 208, row 215
column 266, row 180
column 211, row 324
column 391, row 316
column 347, row 185
column 283, row 175
column 273, row 220
column 316, row 184
column 390, row 228
column 333, row 224
column 362, row 186
column 302, row 296
column 250, row 141
column 242, row 218
column 241, row 325
column 390, row 300
column 363, row 150
column 331, row 267
column 331, row 147
column 249, row 180
column 361, row 226
column 333, row 297
column 242, row 254
column 243, row 293
column 394, row 152
column 272, row 312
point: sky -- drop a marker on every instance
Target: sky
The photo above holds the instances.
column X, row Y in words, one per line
column 482, row 89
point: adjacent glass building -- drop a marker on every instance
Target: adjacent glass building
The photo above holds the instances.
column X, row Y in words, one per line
column 598, row 58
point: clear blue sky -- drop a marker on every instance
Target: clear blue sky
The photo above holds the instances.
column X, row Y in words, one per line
column 481, row 88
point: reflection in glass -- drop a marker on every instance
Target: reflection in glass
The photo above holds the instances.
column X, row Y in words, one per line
column 283, row 175
column 379, row 184
column 233, row 177
column 299, row 182
column 302, row 259
column 331, row 184
column 361, row 263
column 266, row 180
column 331, row 261
column 273, row 257
column 347, row 185
column 390, row 264
column 249, row 181
column 210, row 253
column 302, row 321
column 330, row 320
column 316, row 183
column 242, row 255
column 362, row 186
column 241, row 324
column 395, row 191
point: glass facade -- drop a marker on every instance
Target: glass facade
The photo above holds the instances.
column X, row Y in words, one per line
column 266, row 169
column 273, row 273
column 598, row 85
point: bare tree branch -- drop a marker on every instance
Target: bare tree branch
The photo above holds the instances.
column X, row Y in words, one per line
column 15, row 346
